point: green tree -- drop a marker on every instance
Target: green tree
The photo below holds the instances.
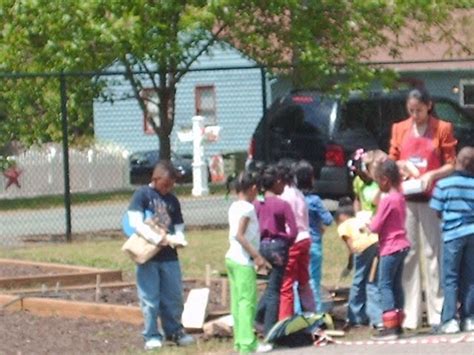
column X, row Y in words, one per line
column 161, row 40
column 312, row 42
column 47, row 36
column 317, row 41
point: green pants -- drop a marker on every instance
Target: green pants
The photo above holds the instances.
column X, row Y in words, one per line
column 243, row 296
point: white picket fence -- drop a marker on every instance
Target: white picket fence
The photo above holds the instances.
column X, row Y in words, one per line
column 91, row 170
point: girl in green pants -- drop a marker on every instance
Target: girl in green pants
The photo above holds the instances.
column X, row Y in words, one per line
column 241, row 260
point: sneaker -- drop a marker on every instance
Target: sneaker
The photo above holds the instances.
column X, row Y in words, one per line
column 435, row 329
column 468, row 324
column 264, row 348
column 182, row 339
column 153, row 343
column 386, row 334
column 450, row 327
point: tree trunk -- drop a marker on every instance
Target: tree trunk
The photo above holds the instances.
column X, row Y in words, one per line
column 166, row 112
column 165, row 146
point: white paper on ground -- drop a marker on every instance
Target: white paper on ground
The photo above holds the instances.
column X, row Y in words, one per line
column 195, row 308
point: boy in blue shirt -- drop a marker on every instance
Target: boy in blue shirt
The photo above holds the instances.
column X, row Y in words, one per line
column 453, row 199
column 159, row 280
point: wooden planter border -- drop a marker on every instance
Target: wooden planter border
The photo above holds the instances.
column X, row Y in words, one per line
column 79, row 278
column 23, row 291
column 54, row 266
column 68, row 275
column 72, row 309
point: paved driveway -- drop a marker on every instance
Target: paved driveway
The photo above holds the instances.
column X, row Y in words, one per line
column 431, row 345
column 197, row 211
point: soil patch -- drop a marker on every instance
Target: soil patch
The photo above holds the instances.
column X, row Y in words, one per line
column 22, row 332
column 14, row 270
column 218, row 302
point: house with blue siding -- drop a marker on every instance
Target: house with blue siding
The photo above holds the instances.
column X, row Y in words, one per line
column 230, row 98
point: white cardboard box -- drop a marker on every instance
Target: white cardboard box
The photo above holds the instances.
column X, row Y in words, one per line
column 195, row 308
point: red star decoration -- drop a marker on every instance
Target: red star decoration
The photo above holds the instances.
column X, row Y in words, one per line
column 12, row 174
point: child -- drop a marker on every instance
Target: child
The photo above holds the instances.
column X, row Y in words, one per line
column 242, row 256
column 363, row 304
column 364, row 298
column 318, row 216
column 297, row 268
column 389, row 224
column 274, row 215
column 453, row 199
column 159, row 283
column 366, row 190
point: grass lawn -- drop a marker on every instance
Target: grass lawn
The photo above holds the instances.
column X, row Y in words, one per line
column 205, row 247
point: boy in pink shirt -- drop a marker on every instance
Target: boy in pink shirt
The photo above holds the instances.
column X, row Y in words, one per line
column 389, row 224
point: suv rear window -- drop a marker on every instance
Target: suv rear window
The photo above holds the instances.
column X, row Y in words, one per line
column 302, row 113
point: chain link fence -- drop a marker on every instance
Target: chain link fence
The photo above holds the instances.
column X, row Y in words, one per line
column 83, row 183
column 45, row 193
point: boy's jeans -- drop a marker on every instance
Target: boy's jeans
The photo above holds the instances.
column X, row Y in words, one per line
column 315, row 264
column 243, row 297
column 160, row 290
column 390, row 280
column 275, row 251
column 364, row 297
column 458, row 278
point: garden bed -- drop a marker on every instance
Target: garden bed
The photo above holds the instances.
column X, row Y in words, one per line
column 73, row 291
column 28, row 274
column 125, row 294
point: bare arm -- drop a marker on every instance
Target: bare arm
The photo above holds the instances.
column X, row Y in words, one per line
column 348, row 243
column 350, row 257
column 377, row 197
column 356, row 204
column 430, row 177
column 256, row 256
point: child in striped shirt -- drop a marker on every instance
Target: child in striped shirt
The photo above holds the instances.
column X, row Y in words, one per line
column 453, row 199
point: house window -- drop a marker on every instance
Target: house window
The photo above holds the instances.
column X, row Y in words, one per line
column 467, row 92
column 151, row 101
column 205, row 98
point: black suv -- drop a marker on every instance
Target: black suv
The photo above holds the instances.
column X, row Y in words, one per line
column 142, row 164
column 326, row 130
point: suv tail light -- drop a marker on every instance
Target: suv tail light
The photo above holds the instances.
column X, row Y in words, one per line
column 252, row 148
column 335, row 155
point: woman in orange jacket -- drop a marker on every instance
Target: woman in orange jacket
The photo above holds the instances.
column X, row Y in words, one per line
column 424, row 148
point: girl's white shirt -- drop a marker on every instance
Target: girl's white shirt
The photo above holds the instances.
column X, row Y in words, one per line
column 236, row 252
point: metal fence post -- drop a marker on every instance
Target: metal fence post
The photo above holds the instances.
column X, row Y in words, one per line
column 67, row 190
column 263, row 76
